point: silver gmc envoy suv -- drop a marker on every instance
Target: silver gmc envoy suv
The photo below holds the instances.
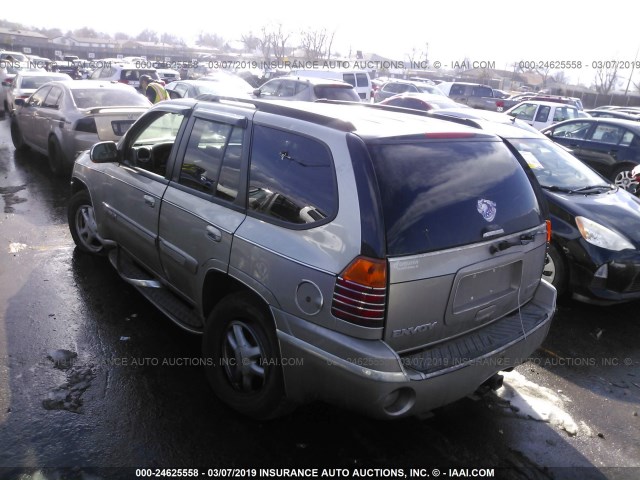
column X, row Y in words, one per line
column 383, row 261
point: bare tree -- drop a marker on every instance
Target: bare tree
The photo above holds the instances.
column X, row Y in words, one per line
column 316, row 44
column 560, row 77
column 148, row 36
column 606, row 79
column 210, row 40
column 419, row 55
column 250, row 41
column 545, row 73
column 279, row 40
column 86, row 32
column 170, row 39
column 265, row 42
column 121, row 36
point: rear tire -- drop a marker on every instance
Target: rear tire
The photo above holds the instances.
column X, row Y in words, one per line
column 57, row 159
column 241, row 345
column 82, row 224
column 17, row 138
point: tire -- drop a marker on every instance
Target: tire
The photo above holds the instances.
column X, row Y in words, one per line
column 622, row 177
column 82, row 224
column 17, row 138
column 57, row 159
column 242, row 353
column 555, row 269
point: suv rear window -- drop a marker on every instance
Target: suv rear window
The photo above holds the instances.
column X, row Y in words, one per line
column 336, row 93
column 443, row 194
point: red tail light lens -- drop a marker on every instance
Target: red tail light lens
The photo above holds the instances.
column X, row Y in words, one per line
column 499, row 103
column 360, row 294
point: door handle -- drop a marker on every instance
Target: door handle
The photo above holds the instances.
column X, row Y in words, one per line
column 213, row 233
column 150, row 201
column 613, row 153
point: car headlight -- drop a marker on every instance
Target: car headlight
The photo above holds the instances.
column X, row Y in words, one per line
column 601, row 236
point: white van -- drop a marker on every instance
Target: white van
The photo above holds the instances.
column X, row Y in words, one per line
column 359, row 79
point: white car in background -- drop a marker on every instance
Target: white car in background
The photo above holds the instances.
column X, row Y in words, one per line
column 27, row 82
column 540, row 114
column 168, row 75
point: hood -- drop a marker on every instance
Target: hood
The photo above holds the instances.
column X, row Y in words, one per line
column 617, row 210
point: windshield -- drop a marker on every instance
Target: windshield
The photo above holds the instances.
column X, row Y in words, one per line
column 555, row 167
column 107, row 97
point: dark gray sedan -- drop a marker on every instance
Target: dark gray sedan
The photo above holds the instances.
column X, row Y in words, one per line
column 609, row 145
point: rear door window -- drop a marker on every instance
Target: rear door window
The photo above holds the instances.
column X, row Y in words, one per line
column 291, row 180
column 444, row 194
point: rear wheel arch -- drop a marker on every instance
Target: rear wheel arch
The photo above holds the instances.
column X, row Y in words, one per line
column 241, row 344
column 57, row 159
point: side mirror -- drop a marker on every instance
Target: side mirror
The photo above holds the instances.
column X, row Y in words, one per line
column 257, row 92
column 104, row 152
column 20, row 102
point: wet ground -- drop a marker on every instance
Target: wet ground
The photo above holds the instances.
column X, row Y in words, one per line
column 95, row 383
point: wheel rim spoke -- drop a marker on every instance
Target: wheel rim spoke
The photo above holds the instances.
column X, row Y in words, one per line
column 244, row 353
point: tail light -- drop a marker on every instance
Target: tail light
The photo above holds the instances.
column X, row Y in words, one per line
column 499, row 103
column 360, row 294
column 124, row 80
column 86, row 125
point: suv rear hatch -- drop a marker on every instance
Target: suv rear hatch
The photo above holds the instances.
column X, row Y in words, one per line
column 465, row 237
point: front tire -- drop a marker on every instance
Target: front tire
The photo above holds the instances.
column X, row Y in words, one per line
column 555, row 270
column 82, row 224
column 243, row 366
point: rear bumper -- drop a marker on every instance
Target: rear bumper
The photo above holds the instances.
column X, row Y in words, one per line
column 368, row 376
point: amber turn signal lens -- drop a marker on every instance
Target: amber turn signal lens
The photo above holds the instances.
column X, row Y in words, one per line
column 367, row 272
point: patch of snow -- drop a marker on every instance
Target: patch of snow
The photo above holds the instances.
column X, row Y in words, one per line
column 16, row 247
column 530, row 400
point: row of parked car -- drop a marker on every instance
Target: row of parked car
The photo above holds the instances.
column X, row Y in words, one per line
column 104, row 110
column 242, row 219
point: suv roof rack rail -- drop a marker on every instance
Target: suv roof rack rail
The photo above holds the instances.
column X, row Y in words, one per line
column 430, row 114
column 270, row 107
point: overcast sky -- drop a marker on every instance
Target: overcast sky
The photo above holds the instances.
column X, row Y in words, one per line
column 490, row 30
